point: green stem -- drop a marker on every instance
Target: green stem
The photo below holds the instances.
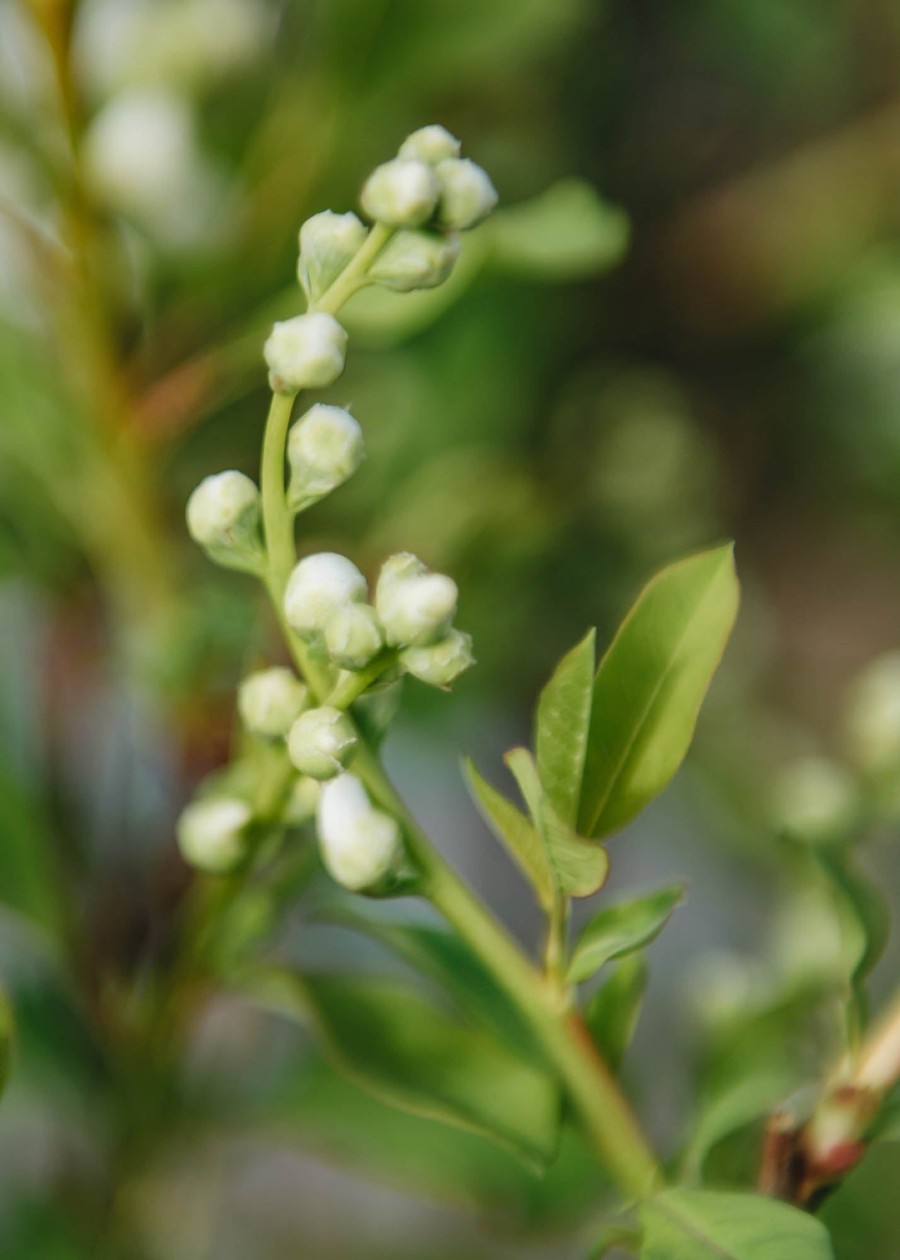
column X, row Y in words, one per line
column 354, row 274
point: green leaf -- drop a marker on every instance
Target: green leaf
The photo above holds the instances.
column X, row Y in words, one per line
column 579, row 866
column 563, row 721
column 563, row 234
column 711, row 1225
column 650, row 686
column 865, row 923
column 408, row 1052
column 514, row 830
column 613, row 1011
column 621, row 929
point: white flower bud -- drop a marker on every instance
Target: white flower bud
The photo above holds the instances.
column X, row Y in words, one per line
column 318, row 585
column 415, row 260
column 321, row 742
column 324, row 448
column 353, row 636
column 327, row 243
column 359, row 844
column 211, row 833
column 401, row 193
column 415, row 606
column 467, row 194
column 430, row 144
column 270, row 700
column 224, row 514
column 443, row 662
column 815, row 800
column 303, row 801
column 873, row 717
column 306, row 352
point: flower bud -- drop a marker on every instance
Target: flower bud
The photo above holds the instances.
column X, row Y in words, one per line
column 443, row 662
column 467, row 194
column 303, row 802
column 401, row 193
column 270, row 700
column 318, row 585
column 224, row 516
column 815, row 800
column 415, row 260
column 429, row 144
column 306, row 352
column 327, row 243
column 353, row 636
column 321, row 742
column 360, row 845
column 415, row 606
column 324, row 448
column 211, row 833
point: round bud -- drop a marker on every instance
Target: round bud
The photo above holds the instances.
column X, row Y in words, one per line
column 306, row 352
column 430, row 144
column 303, row 802
column 318, row 585
column 360, row 845
column 224, row 516
column 211, row 833
column 327, row 243
column 353, row 636
column 401, row 193
column 324, row 448
column 441, row 664
column 415, row 606
column 321, row 742
column 873, row 717
column 815, row 800
column 270, row 700
column 415, row 260
column 467, row 194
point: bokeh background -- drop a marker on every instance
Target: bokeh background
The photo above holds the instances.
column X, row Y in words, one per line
column 682, row 325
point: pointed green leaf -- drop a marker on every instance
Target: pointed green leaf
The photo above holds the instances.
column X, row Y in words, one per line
column 620, row 929
column 613, row 1011
column 579, row 866
column 711, row 1225
column 514, row 830
column 563, row 721
column 408, row 1052
column 650, row 686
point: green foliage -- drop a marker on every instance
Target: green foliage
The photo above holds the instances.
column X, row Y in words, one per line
column 621, row 929
column 612, row 1013
column 563, row 722
column 706, row 1225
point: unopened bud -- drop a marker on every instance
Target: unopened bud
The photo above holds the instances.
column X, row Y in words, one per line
column 353, row 636
column 327, row 243
column 467, row 194
column 441, row 664
column 415, row 260
column 815, row 800
column 212, row 833
column 430, row 144
column 318, row 585
column 303, row 801
column 224, row 516
column 401, row 193
column 324, row 448
column 415, row 606
column 306, row 352
column 321, row 742
column 270, row 700
column 360, row 845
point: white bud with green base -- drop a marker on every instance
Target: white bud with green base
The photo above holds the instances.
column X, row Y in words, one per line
column 328, row 242
column 361, row 846
column 415, row 260
column 306, row 352
column 416, row 607
column 224, row 516
column 430, row 144
column 317, row 587
column 402, row 193
column 467, row 194
column 321, row 742
column 270, row 701
column 442, row 663
column 324, row 448
column 353, row 636
column 212, row 834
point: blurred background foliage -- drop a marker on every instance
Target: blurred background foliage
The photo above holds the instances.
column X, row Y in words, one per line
column 683, row 324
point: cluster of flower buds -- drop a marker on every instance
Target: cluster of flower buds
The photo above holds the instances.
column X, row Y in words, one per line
column 361, row 846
